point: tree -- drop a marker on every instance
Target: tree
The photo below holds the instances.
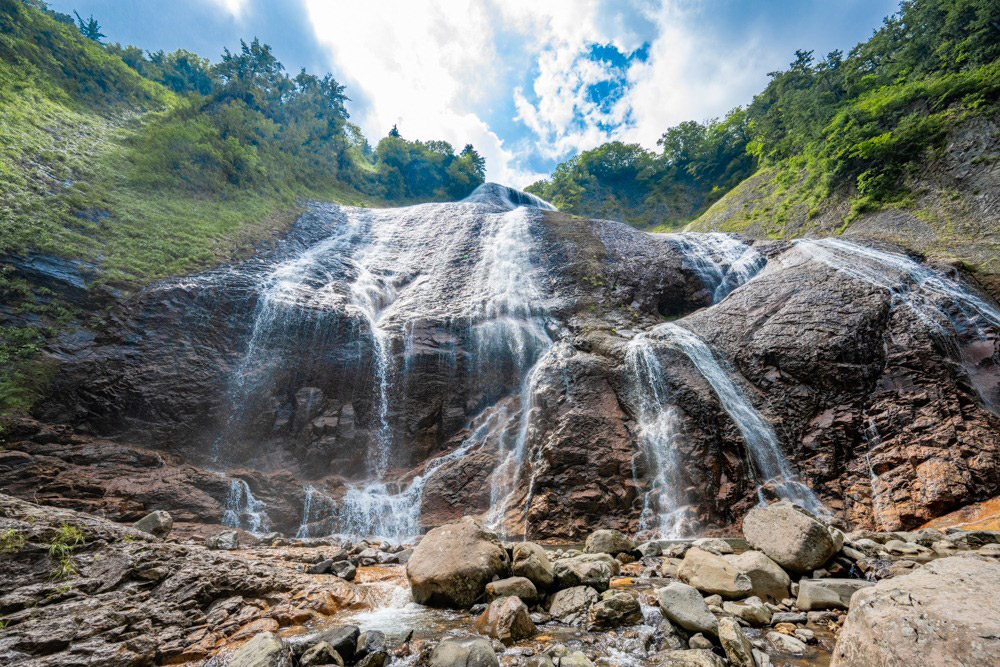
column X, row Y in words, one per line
column 90, row 28
column 394, row 132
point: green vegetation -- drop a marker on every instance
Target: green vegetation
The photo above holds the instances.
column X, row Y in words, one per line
column 145, row 165
column 855, row 126
column 12, row 541
column 698, row 163
column 65, row 539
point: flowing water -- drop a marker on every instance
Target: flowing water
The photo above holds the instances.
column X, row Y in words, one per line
column 947, row 308
column 465, row 269
column 721, row 261
column 243, row 511
column 665, row 508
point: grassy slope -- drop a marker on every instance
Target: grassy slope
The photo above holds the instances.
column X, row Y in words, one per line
column 949, row 206
column 71, row 185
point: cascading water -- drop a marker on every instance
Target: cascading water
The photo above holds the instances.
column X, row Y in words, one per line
column 722, row 262
column 948, row 309
column 243, row 511
column 658, row 430
column 463, row 270
column 664, row 508
column 873, row 441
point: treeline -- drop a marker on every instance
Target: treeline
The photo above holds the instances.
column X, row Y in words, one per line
column 242, row 122
column 858, row 123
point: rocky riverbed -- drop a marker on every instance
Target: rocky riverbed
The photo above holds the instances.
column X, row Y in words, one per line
column 80, row 590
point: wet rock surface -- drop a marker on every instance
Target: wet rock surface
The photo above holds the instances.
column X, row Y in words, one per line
column 888, row 421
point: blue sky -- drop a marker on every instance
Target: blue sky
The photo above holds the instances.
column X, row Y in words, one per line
column 528, row 82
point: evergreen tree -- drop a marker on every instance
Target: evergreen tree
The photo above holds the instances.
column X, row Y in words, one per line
column 90, row 28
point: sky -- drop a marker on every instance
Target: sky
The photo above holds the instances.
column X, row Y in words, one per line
column 529, row 83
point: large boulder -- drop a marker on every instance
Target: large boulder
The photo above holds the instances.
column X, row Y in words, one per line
column 683, row 605
column 453, row 563
column 944, row 613
column 571, row 605
column 519, row 587
column 790, row 536
column 464, row 652
column 607, row 541
column 817, row 594
column 531, row 562
column 713, row 574
column 264, row 650
column 767, row 580
column 506, row 619
column 158, row 523
column 594, row 570
column 613, row 611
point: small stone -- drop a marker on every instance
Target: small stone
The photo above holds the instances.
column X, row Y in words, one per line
column 457, row 652
column 507, row 620
column 520, row 587
column 614, row 611
column 264, row 650
column 321, row 654
column 786, row 643
column 751, row 610
column 158, row 523
column 815, row 594
column 683, row 605
column 227, row 540
column 735, row 643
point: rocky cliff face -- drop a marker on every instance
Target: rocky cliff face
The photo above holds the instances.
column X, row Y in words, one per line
column 388, row 370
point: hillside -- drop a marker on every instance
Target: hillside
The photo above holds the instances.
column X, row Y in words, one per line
column 119, row 167
column 896, row 140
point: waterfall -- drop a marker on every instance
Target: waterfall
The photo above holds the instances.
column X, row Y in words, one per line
column 463, row 270
column 765, row 456
column 873, row 441
column 722, row 262
column 664, row 508
column 946, row 308
column 243, row 511
column 942, row 303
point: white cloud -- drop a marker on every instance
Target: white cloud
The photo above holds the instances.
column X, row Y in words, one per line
column 234, row 7
column 434, row 69
column 424, row 66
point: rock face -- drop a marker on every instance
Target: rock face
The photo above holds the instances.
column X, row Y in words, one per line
column 881, row 414
column 144, row 600
column 453, row 563
column 945, row 613
column 506, row 619
column 790, row 536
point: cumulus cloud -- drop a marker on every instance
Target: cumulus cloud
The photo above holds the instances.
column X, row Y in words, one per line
column 530, row 83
